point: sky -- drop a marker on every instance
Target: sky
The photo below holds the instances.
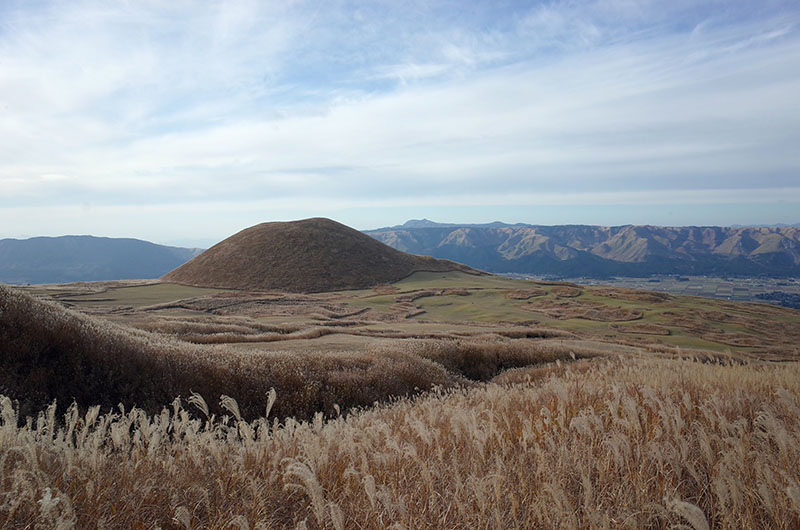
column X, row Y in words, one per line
column 183, row 122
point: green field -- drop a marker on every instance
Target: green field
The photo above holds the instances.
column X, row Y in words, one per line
column 140, row 296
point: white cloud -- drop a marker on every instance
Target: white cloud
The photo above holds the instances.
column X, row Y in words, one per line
column 175, row 103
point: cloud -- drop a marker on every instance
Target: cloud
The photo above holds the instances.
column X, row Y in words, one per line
column 156, row 103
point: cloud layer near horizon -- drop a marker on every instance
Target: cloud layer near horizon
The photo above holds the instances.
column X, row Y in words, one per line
column 252, row 106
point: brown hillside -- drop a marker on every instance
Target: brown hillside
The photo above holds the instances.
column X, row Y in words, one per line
column 49, row 352
column 312, row 255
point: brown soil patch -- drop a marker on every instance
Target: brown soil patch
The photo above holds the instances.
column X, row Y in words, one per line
column 565, row 291
column 733, row 339
column 684, row 320
column 525, row 294
column 385, row 289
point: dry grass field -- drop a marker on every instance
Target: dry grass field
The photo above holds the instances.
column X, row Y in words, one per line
column 444, row 400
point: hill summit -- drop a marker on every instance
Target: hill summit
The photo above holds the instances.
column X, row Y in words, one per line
column 312, row 255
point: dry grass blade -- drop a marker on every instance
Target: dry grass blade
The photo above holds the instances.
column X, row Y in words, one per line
column 271, row 397
column 230, row 404
column 198, row 401
column 690, row 512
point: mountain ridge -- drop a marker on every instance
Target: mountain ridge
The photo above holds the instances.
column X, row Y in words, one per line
column 74, row 258
column 601, row 251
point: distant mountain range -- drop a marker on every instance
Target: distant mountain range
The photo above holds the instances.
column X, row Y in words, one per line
column 602, row 252
column 560, row 251
column 86, row 258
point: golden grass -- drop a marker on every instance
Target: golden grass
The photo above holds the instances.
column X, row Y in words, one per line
column 51, row 352
column 627, row 443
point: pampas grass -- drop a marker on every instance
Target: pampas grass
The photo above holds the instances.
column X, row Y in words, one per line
column 622, row 443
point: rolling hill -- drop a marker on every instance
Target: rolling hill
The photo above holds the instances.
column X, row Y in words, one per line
column 598, row 251
column 312, row 255
column 85, row 259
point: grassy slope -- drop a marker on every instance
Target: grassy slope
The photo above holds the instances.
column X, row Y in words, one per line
column 771, row 328
column 51, row 352
column 138, row 296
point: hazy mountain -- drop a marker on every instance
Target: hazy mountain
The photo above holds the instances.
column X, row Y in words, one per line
column 190, row 242
column 86, row 258
column 598, row 251
column 776, row 225
column 311, row 255
column 425, row 223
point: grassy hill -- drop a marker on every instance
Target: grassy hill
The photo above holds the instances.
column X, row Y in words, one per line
column 313, row 255
column 595, row 251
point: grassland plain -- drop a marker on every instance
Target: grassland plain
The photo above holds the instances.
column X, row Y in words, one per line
column 444, row 400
